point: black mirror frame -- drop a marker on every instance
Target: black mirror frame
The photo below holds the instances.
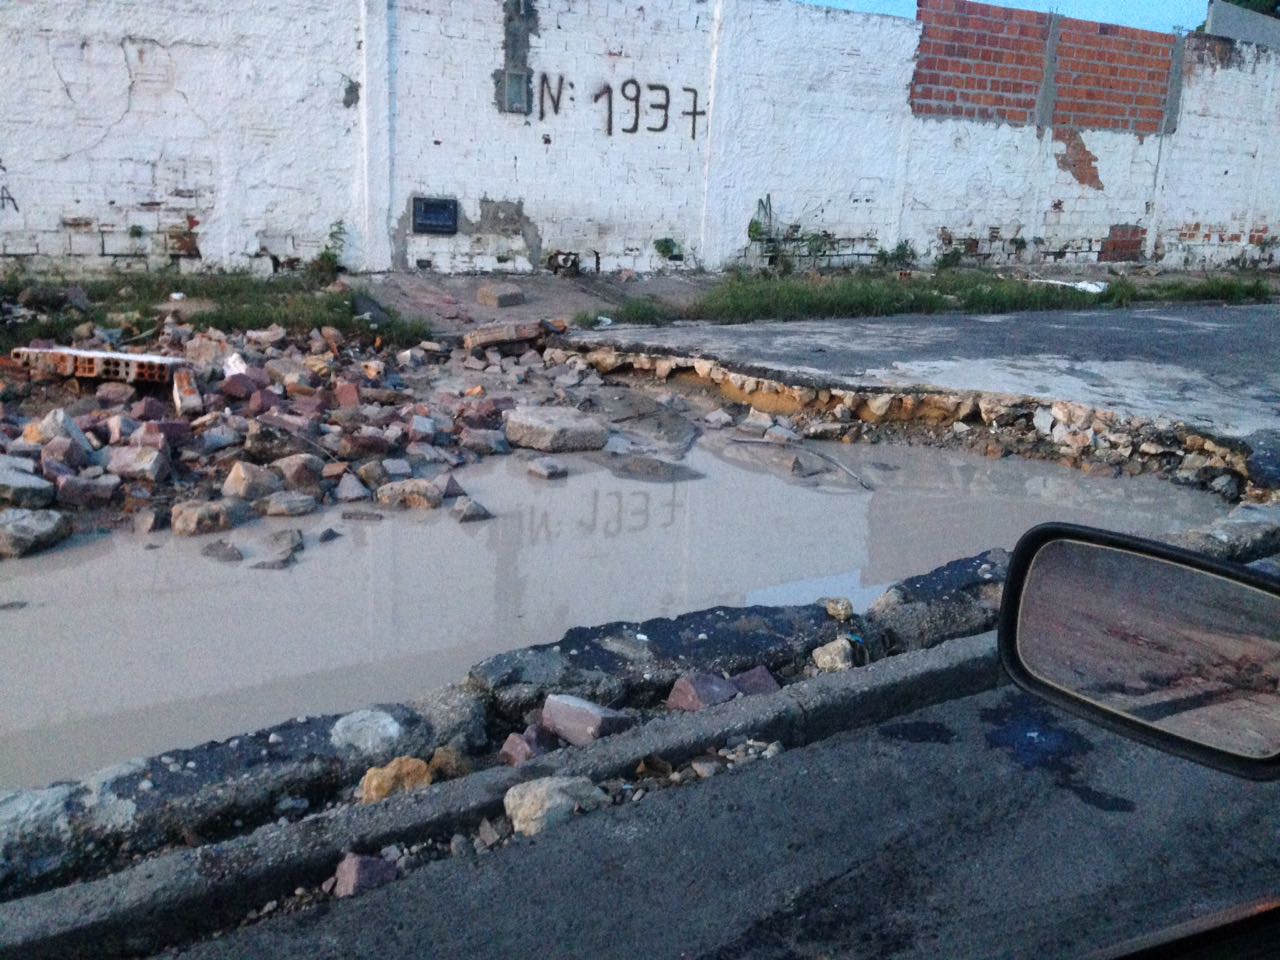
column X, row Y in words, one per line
column 1007, row 636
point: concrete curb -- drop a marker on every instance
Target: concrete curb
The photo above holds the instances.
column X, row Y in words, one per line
column 179, row 896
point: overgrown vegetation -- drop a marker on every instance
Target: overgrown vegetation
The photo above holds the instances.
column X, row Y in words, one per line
column 744, row 298
column 901, row 257
column 135, row 303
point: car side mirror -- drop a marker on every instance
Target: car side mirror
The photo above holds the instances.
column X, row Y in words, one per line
column 1165, row 646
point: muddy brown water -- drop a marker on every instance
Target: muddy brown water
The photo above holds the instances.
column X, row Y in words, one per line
column 121, row 646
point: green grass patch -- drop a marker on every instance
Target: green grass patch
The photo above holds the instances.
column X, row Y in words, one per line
column 745, row 299
column 1226, row 289
column 641, row 311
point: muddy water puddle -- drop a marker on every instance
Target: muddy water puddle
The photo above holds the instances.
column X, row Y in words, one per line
column 121, row 646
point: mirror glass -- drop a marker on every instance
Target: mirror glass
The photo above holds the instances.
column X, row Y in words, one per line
column 1188, row 652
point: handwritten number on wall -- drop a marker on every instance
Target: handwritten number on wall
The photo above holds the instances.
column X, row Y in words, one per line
column 693, row 112
column 631, row 93
column 655, row 113
column 606, row 91
column 663, row 105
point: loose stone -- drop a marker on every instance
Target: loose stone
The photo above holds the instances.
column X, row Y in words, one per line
column 22, row 489
column 193, row 517
column 26, row 531
column 416, row 494
column 222, row 551
column 539, row 804
column 401, row 775
column 248, row 481
column 838, row 608
column 350, row 489
column 555, row 429
column 468, row 511
column 547, row 469
column 834, row 656
column 286, row 503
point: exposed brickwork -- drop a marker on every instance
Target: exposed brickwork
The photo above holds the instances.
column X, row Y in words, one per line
column 979, row 62
column 1124, row 242
column 1111, row 78
column 983, row 62
column 1078, row 160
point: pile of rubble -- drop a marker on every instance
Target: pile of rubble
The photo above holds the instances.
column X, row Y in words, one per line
column 35, row 304
column 263, row 423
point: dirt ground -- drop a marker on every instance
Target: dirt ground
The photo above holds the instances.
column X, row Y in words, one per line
column 449, row 304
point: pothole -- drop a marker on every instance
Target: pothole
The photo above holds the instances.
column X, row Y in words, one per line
column 175, row 647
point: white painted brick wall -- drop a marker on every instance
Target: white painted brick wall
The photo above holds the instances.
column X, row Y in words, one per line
column 118, row 115
column 810, row 109
column 1218, row 177
column 133, row 133
column 580, row 188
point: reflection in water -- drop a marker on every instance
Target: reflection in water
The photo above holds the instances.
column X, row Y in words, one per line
column 1188, row 652
column 124, row 651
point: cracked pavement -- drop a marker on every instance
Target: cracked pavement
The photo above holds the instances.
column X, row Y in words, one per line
column 990, row 826
column 1215, row 367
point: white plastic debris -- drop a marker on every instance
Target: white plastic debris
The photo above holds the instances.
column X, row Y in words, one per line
column 1085, row 286
column 234, row 364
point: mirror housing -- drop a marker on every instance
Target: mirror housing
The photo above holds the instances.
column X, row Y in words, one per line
column 1162, row 645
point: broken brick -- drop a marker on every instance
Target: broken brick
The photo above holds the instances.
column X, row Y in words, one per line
column 356, row 874
column 580, row 721
column 697, row 691
column 755, row 681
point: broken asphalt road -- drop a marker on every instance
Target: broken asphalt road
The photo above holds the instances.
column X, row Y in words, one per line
column 1214, row 367
column 990, row 826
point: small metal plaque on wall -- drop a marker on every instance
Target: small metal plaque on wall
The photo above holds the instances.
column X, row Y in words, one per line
column 435, row 215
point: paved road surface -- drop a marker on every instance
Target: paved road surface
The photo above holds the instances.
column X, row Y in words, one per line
column 1215, row 366
column 986, row 827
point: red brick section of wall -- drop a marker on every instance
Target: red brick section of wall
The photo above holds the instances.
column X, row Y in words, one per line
column 1112, row 78
column 979, row 62
column 982, row 62
column 1124, row 243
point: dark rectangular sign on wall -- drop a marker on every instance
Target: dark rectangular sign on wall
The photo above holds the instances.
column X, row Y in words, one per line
column 435, row 215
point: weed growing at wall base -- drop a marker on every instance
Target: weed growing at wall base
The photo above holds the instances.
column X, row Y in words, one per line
column 743, row 299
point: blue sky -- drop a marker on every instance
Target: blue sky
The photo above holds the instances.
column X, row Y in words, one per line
column 1147, row 14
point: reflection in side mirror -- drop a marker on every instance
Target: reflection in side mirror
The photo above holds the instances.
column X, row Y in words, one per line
column 1167, row 646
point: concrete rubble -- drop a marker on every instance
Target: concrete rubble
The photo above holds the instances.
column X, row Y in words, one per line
column 25, row 531
column 223, row 426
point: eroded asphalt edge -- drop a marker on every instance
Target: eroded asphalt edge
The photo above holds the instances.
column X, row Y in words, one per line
column 178, row 896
